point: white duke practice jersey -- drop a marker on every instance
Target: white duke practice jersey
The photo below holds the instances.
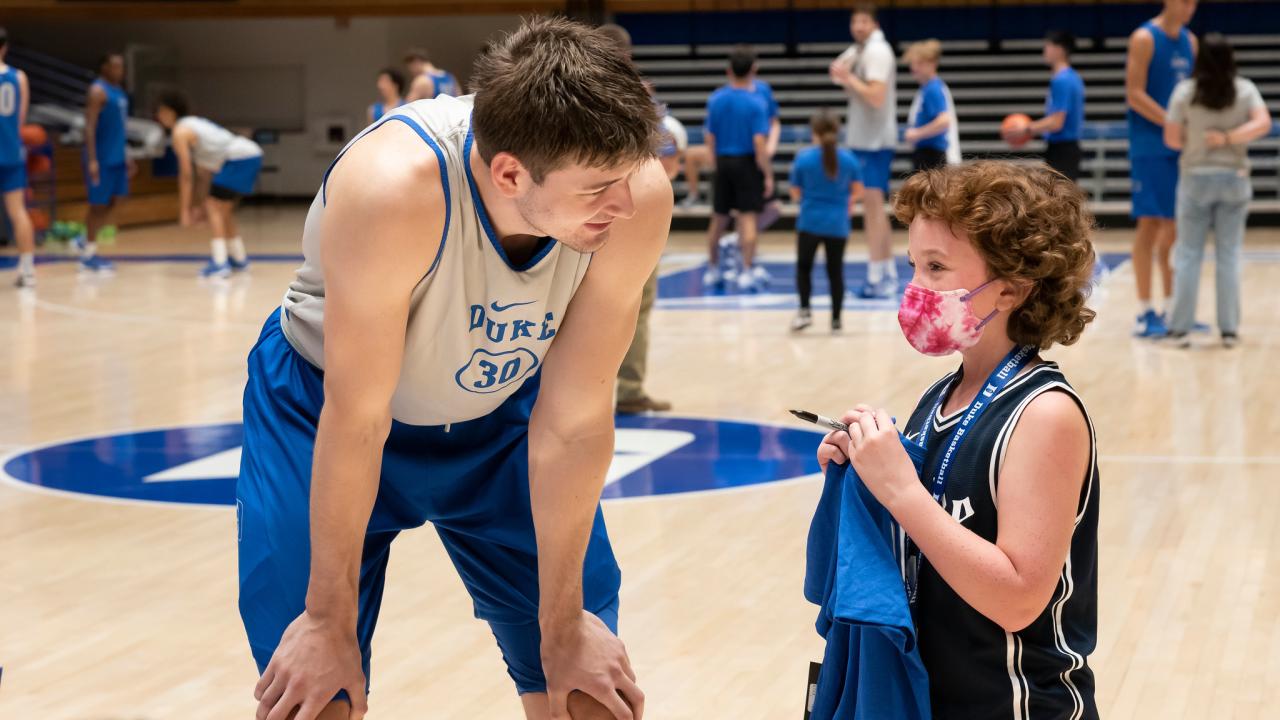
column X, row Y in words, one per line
column 479, row 326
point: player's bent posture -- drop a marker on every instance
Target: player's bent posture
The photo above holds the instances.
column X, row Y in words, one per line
column 447, row 353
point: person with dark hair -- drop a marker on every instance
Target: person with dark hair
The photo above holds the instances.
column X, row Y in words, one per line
column 390, row 85
column 737, row 133
column 446, row 353
column 1213, row 116
column 997, row 532
column 826, row 180
column 931, row 123
column 427, row 81
column 1063, row 108
column 227, row 164
column 15, row 94
column 1161, row 52
column 867, row 72
column 107, row 167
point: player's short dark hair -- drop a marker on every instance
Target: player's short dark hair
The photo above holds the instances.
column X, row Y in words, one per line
column 176, row 101
column 396, row 77
column 741, row 59
column 106, row 58
column 865, row 8
column 416, row 54
column 4, row 37
column 555, row 92
column 1062, row 39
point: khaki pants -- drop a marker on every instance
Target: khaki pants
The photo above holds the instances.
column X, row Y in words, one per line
column 631, row 374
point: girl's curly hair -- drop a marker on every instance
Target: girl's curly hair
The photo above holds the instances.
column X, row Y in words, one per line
column 1031, row 226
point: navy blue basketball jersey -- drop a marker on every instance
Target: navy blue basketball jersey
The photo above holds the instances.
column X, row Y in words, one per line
column 977, row 670
column 1171, row 61
column 11, row 150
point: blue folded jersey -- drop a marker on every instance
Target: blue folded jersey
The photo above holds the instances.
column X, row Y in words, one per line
column 871, row 667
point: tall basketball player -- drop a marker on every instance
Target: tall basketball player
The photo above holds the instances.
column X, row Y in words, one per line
column 229, row 163
column 14, row 96
column 1161, row 53
column 427, row 81
column 446, row 353
column 868, row 74
column 106, row 167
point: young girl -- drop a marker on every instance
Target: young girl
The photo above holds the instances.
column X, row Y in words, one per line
column 1212, row 118
column 232, row 164
column 1000, row 547
column 826, row 181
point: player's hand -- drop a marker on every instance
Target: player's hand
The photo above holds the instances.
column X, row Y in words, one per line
column 1215, row 138
column 768, row 188
column 314, row 660
column 131, row 167
column 94, row 172
column 877, row 455
column 586, row 656
column 911, row 135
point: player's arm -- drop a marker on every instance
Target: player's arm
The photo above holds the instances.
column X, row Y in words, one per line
column 422, row 87
column 384, row 215
column 937, row 126
column 1175, row 135
column 775, row 135
column 92, row 108
column 1137, row 65
column 1050, row 123
column 1257, row 126
column 764, row 161
column 24, row 89
column 183, row 139
column 571, row 445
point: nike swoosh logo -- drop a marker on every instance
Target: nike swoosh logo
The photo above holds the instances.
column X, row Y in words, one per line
column 502, row 308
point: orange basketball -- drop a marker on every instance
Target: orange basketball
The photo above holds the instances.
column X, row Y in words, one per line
column 1014, row 129
column 39, row 218
column 34, row 135
column 38, row 164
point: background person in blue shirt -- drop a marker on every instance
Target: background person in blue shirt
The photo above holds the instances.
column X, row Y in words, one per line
column 1161, row 53
column 1063, row 108
column 931, row 117
column 826, row 180
column 107, row 167
column 390, row 86
column 15, row 93
column 737, row 130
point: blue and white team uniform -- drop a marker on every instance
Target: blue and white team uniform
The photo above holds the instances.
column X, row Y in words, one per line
column 13, row 155
column 444, row 83
column 234, row 160
column 1153, row 166
column 109, row 147
column 378, row 109
column 478, row 332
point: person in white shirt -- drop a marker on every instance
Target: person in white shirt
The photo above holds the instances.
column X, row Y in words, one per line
column 868, row 73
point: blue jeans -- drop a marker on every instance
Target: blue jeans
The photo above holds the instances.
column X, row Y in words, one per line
column 1217, row 200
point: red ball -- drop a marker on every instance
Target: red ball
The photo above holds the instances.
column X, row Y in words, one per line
column 34, row 135
column 38, row 164
column 39, row 218
column 1014, row 129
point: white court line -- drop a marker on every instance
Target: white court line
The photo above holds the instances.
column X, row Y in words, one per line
column 74, row 311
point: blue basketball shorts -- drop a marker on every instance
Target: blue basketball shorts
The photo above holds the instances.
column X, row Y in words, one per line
column 1154, row 186
column 113, row 182
column 876, row 168
column 470, row 480
column 13, row 177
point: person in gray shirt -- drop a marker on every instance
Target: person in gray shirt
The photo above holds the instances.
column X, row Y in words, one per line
column 1212, row 118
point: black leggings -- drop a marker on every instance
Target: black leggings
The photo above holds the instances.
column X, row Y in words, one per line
column 807, row 251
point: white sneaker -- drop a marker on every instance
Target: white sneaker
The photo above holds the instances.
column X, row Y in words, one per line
column 711, row 278
column 760, row 275
column 25, row 280
column 745, row 282
column 802, row 320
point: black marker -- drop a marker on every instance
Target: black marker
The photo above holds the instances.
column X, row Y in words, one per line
column 817, row 419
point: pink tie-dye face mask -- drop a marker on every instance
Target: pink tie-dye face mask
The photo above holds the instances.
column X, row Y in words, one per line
column 940, row 322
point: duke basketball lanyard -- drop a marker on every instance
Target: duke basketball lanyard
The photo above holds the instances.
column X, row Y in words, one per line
column 1006, row 371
